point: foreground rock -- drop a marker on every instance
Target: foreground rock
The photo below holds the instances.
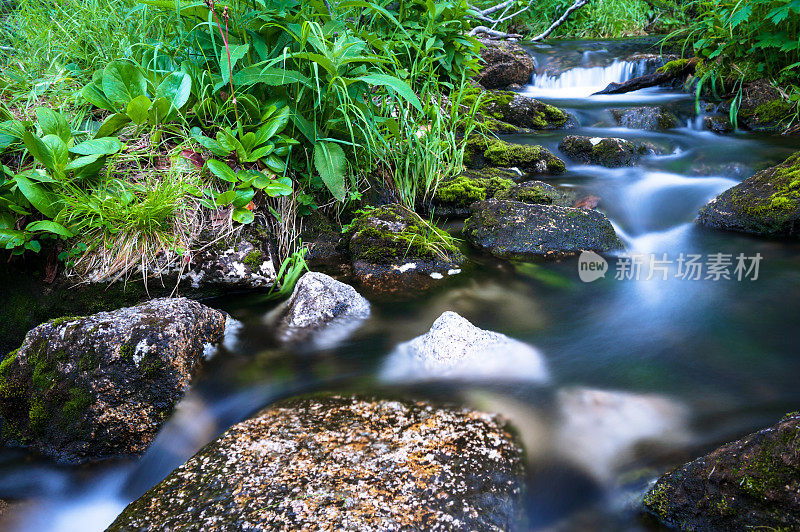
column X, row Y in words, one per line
column 766, row 204
column 322, row 312
column 509, row 112
column 101, row 386
column 609, row 152
column 512, row 229
column 394, row 250
column 648, row 118
column 455, row 349
column 529, row 159
column 504, row 63
column 753, row 483
column 342, row 463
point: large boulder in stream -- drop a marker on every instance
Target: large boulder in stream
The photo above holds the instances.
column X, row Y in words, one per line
column 509, row 112
column 513, row 229
column 321, row 311
column 648, row 118
column 102, row 385
column 456, row 349
column 767, row 204
column 394, row 250
column 504, row 63
column 609, row 152
column 750, row 484
column 344, row 463
column 530, row 159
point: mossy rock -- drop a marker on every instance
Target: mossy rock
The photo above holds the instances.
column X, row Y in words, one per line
column 537, row 193
column 482, row 151
column 609, row 152
column 512, row 229
column 453, row 197
column 762, row 107
column 648, row 118
column 101, row 386
column 507, row 112
column 767, row 204
column 505, row 63
column 749, row 484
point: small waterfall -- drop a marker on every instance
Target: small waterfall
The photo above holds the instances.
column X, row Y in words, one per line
column 581, row 82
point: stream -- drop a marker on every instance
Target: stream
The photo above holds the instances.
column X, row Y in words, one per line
column 722, row 352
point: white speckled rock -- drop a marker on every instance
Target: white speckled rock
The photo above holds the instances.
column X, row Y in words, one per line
column 456, row 349
column 344, row 463
column 322, row 312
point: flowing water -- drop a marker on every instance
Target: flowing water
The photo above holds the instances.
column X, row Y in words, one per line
column 721, row 354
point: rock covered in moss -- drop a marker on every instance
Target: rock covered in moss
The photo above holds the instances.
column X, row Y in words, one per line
column 102, row 385
column 609, row 152
column 323, row 238
column 649, row 118
column 393, row 250
column 456, row 349
column 241, row 265
column 501, row 109
column 512, row 229
column 762, row 108
column 453, row 197
column 504, row 63
column 321, row 311
column 767, row 203
column 344, row 463
column 718, row 124
column 482, row 151
column 537, row 192
column 753, row 483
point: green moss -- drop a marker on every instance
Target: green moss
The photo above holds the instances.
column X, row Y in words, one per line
column 64, row 319
column 126, row 353
column 657, row 500
column 254, row 259
column 38, row 416
column 465, row 189
column 673, row 66
column 783, row 204
column 76, row 405
column 505, row 154
column 776, row 110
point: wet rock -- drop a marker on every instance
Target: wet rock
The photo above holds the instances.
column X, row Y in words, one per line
column 649, row 118
column 609, row 152
column 102, row 385
column 344, row 463
column 753, row 483
column 3, row 507
column 529, row 159
column 326, row 247
column 512, row 229
column 537, row 192
column 242, row 265
column 455, row 349
column 393, row 250
column 508, row 112
column 767, row 203
column 322, row 311
column 453, row 197
column 762, row 108
column 718, row 124
column 599, row 429
column 504, row 63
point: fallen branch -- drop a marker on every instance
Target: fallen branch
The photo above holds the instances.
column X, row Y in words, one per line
column 494, row 34
column 483, row 15
column 658, row 77
column 574, row 7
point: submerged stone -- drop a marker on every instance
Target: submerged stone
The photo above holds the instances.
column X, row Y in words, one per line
column 767, row 203
column 102, row 385
column 344, row 463
column 393, row 250
column 512, row 229
column 609, row 152
column 531, row 159
column 456, row 349
column 752, row 483
column 504, row 63
column 321, row 312
column 649, row 118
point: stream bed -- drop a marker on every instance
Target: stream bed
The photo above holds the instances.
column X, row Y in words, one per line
column 721, row 352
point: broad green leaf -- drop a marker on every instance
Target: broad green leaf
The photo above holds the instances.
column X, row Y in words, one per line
column 331, row 163
column 243, row 197
column 81, row 162
column 33, row 245
column 276, row 164
column 138, row 109
column 51, row 227
column 176, row 88
column 210, row 144
column 159, row 111
column 95, row 96
column 39, row 196
column 10, row 238
column 39, row 150
column 225, row 198
column 59, row 150
column 236, row 53
column 243, row 216
column 53, row 123
column 269, row 76
column 221, row 170
column 399, row 86
column 104, row 146
column 123, row 81
column 112, row 124
column 276, row 188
